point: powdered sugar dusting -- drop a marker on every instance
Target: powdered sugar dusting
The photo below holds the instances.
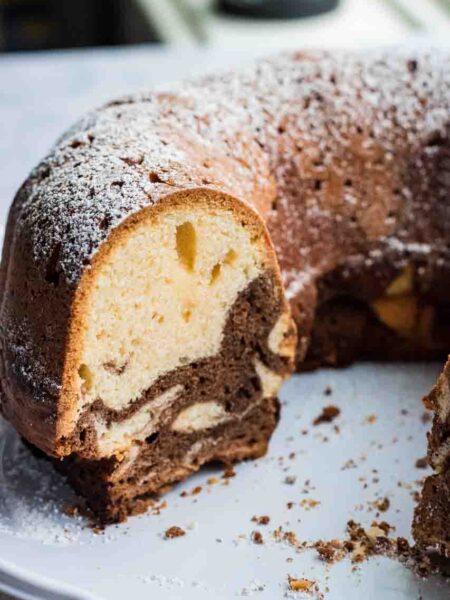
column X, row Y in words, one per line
column 98, row 173
column 33, row 496
column 296, row 281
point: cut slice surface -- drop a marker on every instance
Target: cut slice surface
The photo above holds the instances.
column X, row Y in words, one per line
column 160, row 301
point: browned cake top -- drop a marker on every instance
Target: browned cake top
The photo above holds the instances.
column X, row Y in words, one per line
column 244, row 133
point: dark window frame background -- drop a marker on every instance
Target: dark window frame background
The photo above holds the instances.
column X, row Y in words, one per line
column 48, row 24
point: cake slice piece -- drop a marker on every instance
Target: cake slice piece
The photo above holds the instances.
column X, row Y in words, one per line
column 431, row 527
column 176, row 337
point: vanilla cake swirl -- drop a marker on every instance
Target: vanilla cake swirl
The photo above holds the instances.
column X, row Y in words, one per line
column 160, row 259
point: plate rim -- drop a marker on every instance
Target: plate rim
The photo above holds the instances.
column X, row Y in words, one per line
column 28, row 585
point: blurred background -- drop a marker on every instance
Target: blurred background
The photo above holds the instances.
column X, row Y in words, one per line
column 48, row 24
column 60, row 58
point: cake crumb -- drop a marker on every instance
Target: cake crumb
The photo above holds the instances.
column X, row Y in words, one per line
column 262, row 520
column 290, row 479
column 415, row 495
column 301, row 584
column 289, row 538
column 362, row 543
column 228, row 472
column 97, row 529
column 426, row 417
column 331, row 551
column 308, row 503
column 422, row 463
column 257, row 538
column 174, row 532
column 71, row 509
column 370, row 419
column 155, row 509
column 350, row 464
column 328, row 414
column 383, row 504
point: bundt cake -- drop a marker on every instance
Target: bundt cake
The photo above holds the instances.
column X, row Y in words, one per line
column 177, row 253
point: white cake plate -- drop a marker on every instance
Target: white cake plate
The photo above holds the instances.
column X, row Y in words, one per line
column 47, row 554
